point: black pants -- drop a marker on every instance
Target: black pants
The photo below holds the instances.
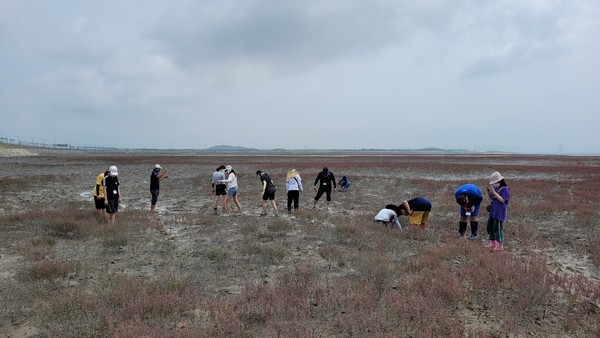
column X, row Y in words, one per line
column 154, row 194
column 293, row 195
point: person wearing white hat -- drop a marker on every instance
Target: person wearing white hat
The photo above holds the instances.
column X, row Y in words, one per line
column 156, row 176
column 232, row 187
column 499, row 194
column 112, row 194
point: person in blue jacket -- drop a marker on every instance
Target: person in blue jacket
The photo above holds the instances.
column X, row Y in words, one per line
column 343, row 183
column 469, row 198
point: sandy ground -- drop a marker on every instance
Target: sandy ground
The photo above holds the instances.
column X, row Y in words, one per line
column 13, row 152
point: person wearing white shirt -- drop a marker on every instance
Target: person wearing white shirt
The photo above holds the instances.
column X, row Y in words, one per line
column 388, row 215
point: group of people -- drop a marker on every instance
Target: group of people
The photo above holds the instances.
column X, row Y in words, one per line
column 469, row 197
column 224, row 183
column 107, row 197
column 417, row 209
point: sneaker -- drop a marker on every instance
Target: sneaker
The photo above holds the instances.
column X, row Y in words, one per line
column 491, row 245
column 499, row 246
column 473, row 237
column 459, row 235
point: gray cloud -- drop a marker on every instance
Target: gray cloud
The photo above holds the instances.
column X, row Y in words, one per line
column 383, row 67
column 277, row 34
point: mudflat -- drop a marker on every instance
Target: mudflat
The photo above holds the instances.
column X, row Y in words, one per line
column 186, row 272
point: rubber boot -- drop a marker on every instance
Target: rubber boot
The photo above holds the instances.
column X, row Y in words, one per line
column 491, row 244
column 474, row 227
column 462, row 228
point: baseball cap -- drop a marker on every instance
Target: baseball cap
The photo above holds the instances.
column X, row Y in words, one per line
column 228, row 168
column 113, row 170
column 157, row 166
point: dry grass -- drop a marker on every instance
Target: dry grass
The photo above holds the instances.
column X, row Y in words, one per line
column 188, row 273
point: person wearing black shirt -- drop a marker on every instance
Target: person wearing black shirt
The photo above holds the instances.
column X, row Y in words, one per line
column 326, row 181
column 112, row 195
column 156, row 176
column 418, row 209
column 268, row 191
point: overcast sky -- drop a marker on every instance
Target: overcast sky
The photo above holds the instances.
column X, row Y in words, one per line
column 513, row 75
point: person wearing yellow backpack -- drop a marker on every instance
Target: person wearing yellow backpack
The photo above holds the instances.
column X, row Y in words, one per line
column 98, row 193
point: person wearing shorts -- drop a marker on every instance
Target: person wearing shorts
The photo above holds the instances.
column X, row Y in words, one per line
column 232, row 188
column 156, row 176
column 268, row 192
column 219, row 189
column 98, row 194
column 326, row 182
column 417, row 209
column 112, row 194
column 469, row 198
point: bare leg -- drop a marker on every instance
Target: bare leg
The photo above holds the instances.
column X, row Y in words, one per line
column 263, row 205
column 274, row 205
column 227, row 205
column 237, row 203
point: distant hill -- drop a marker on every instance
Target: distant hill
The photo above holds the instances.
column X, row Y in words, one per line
column 229, row 148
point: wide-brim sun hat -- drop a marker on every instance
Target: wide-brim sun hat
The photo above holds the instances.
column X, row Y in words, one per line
column 113, row 170
column 496, row 177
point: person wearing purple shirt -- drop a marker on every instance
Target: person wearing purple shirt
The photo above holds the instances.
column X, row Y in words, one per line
column 499, row 194
column 469, row 198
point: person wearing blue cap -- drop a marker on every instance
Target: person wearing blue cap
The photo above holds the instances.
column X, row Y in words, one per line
column 469, row 198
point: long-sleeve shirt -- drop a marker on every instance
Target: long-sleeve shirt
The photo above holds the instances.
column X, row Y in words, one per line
column 231, row 181
column 388, row 216
column 498, row 210
column 327, row 180
column 293, row 183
